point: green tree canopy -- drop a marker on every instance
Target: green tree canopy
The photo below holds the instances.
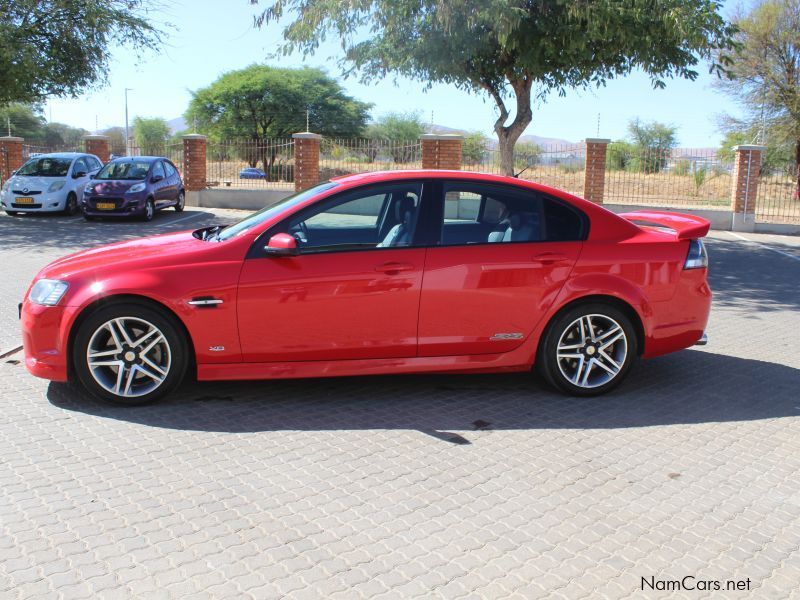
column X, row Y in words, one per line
column 151, row 135
column 765, row 71
column 652, row 143
column 62, row 47
column 116, row 140
column 26, row 121
column 261, row 102
column 518, row 49
column 397, row 127
column 474, row 147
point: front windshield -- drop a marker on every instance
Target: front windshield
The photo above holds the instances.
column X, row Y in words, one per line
column 128, row 170
column 268, row 212
column 46, row 167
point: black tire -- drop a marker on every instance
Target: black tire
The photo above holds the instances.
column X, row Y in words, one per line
column 149, row 210
column 180, row 202
column 556, row 372
column 72, row 204
column 174, row 338
column 87, row 217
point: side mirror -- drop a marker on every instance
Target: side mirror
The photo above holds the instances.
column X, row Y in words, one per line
column 79, row 174
column 156, row 178
column 281, row 244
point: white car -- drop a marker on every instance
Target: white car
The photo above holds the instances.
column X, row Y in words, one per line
column 49, row 183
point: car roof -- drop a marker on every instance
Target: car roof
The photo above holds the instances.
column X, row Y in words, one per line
column 61, row 155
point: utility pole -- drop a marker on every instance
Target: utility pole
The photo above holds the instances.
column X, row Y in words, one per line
column 307, row 129
column 127, row 137
column 8, row 122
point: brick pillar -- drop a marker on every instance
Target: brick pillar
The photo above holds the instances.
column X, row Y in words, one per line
column 744, row 187
column 306, row 160
column 594, row 178
column 441, row 151
column 99, row 145
column 10, row 156
column 194, row 162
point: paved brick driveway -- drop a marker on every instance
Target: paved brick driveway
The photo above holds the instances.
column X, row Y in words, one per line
column 471, row 486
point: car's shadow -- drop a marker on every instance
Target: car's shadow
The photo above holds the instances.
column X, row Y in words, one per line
column 687, row 387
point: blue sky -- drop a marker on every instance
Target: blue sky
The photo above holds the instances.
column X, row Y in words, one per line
column 208, row 40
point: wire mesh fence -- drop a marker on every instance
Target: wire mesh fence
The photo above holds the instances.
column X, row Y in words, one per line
column 778, row 196
column 251, row 164
column 346, row 156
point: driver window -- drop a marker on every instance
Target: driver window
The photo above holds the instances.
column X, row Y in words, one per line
column 158, row 169
column 374, row 218
column 79, row 167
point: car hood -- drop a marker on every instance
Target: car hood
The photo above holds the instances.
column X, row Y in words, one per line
column 113, row 186
column 20, row 182
column 151, row 251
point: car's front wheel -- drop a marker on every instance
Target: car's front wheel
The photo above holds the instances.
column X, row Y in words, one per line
column 130, row 354
column 180, row 202
column 149, row 210
column 588, row 349
column 71, row 207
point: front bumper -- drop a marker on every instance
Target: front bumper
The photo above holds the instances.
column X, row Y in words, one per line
column 125, row 205
column 44, row 340
column 45, row 202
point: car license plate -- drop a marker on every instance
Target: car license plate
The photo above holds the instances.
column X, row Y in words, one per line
column 106, row 205
column 23, row 201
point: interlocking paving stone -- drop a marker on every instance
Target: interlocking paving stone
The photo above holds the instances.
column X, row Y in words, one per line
column 386, row 486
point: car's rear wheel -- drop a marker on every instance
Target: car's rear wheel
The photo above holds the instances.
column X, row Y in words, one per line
column 588, row 349
column 130, row 354
column 149, row 210
column 71, row 206
column 180, row 203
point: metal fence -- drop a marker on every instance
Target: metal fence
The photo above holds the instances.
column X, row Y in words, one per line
column 251, row 164
column 679, row 177
column 778, row 197
column 347, row 156
column 32, row 150
column 559, row 166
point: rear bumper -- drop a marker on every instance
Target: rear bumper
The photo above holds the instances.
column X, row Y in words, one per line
column 702, row 341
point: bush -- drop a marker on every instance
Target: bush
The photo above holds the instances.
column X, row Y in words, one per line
column 473, row 148
column 619, row 155
column 682, row 167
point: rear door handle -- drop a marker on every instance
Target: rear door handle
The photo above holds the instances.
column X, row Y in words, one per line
column 549, row 258
column 394, row 267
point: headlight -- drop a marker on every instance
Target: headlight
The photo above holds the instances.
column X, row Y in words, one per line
column 137, row 187
column 89, row 189
column 47, row 291
column 56, row 185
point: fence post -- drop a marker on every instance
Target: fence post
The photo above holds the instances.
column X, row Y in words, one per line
column 99, row 145
column 194, row 167
column 594, row 178
column 441, row 151
column 10, row 156
column 306, row 160
column 744, row 188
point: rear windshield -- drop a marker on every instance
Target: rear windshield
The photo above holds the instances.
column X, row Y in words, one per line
column 46, row 167
column 128, row 170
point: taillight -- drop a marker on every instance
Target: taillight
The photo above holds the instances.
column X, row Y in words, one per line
column 697, row 257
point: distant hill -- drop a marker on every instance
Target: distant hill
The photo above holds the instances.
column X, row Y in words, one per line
column 177, row 124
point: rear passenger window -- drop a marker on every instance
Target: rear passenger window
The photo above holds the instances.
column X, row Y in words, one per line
column 170, row 169
column 562, row 223
column 483, row 214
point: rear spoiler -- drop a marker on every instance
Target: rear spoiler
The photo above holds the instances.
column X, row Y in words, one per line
column 686, row 227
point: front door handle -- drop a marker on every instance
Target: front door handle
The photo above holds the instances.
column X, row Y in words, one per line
column 549, row 258
column 392, row 268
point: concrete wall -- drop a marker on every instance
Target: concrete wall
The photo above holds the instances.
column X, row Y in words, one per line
column 236, row 198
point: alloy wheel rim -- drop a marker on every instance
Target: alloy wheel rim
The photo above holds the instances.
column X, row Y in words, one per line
column 592, row 350
column 149, row 209
column 128, row 357
column 181, row 200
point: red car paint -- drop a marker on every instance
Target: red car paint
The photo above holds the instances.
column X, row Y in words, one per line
column 388, row 310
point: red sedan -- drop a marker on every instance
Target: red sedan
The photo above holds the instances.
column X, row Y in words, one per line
column 399, row 272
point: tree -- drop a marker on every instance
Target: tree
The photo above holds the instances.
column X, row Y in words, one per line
column 22, row 120
column 261, row 102
column 519, row 49
column 473, row 148
column 652, row 145
column 116, row 142
column 777, row 154
column 401, row 130
column 61, row 48
column 59, row 135
column 619, row 155
column 151, row 135
column 765, row 72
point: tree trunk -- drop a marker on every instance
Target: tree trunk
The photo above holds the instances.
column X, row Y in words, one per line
column 797, row 170
column 507, row 135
